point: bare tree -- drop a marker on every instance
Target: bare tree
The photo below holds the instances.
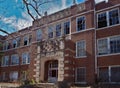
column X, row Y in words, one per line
column 35, row 6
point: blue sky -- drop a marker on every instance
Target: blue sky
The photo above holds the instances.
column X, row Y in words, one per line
column 13, row 17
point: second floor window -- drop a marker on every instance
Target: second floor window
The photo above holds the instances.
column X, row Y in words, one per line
column 14, row 43
column 6, row 45
column 14, row 59
column 80, row 23
column 25, row 58
column 50, row 32
column 18, row 41
column 80, row 48
column 5, row 61
column 26, row 40
column 39, row 34
column 67, row 27
column 58, row 30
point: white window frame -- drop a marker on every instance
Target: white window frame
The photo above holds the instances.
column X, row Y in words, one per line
column 14, row 42
column 17, row 57
column 64, row 26
column 13, row 75
column 60, row 30
column 107, row 15
column 4, row 63
column 109, row 73
column 77, row 24
column 108, row 40
column 77, row 51
column 27, row 58
column 38, row 34
column 76, row 75
column 51, row 28
column 26, row 37
column 24, row 75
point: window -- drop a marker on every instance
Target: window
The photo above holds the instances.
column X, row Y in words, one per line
column 25, row 58
column 13, row 76
column 4, row 76
column 39, row 34
column 104, row 74
column 80, row 23
column 24, row 75
column 108, row 18
column 6, row 45
column 109, row 45
column 58, row 30
column 50, row 32
column 26, row 40
column 115, row 74
column 81, row 74
column 80, row 48
column 18, row 41
column 30, row 39
column 109, row 74
column 115, row 44
column 113, row 17
column 14, row 43
column 102, row 46
column 102, row 20
column 14, row 59
column 67, row 27
column 5, row 61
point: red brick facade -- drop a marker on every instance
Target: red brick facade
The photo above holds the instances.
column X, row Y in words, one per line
column 70, row 67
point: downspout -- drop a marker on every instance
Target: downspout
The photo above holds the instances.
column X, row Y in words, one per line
column 96, row 62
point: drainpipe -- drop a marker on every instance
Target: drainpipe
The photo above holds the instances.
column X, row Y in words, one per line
column 96, row 62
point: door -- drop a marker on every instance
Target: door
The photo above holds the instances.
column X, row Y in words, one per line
column 53, row 71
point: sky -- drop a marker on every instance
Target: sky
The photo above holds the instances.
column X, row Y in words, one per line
column 13, row 16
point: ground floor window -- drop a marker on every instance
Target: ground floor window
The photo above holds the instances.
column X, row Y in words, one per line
column 14, row 76
column 24, row 75
column 3, row 76
column 80, row 74
column 109, row 74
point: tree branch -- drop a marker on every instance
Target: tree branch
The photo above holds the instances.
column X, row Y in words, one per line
column 4, row 31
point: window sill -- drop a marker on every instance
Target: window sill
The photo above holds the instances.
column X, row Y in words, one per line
column 108, row 54
column 107, row 27
column 15, row 65
column 81, row 57
column 16, row 48
column 76, row 32
column 25, row 64
column 80, row 82
column 5, row 66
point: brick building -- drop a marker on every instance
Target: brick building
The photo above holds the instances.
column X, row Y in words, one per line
column 76, row 45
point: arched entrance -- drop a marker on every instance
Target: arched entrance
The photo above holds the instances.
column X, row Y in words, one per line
column 51, row 70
